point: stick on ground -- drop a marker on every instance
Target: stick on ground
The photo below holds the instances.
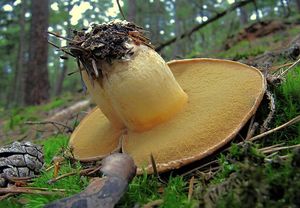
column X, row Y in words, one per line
column 289, row 123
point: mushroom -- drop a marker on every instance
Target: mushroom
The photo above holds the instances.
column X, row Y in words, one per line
column 179, row 112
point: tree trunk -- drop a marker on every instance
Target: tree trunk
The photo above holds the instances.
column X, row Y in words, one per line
column 283, row 8
column 177, row 52
column 155, row 32
column 256, row 10
column 62, row 74
column 298, row 5
column 131, row 10
column 18, row 83
column 37, row 78
column 60, row 78
column 244, row 16
column 288, row 9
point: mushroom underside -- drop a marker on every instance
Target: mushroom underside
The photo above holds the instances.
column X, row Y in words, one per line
column 223, row 95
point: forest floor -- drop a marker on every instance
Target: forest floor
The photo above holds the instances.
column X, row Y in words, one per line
column 264, row 173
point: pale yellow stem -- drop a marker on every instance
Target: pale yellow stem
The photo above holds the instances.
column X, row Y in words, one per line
column 142, row 91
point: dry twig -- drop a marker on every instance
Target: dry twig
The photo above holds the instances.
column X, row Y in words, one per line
column 53, row 180
column 276, row 68
column 87, row 171
column 203, row 24
column 5, row 196
column 191, row 188
column 118, row 169
column 153, row 203
column 289, row 123
column 155, row 172
column 270, row 147
column 46, row 189
column 59, row 48
column 276, row 149
column 199, row 168
column 23, row 190
column 287, row 70
column 56, row 124
column 269, row 118
column 120, row 9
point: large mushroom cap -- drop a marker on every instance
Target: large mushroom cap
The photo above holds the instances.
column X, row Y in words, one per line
column 94, row 138
column 222, row 97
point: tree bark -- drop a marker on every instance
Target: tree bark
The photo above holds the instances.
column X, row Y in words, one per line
column 298, row 5
column 283, row 8
column 256, row 10
column 156, row 26
column 62, row 74
column 37, row 78
column 18, row 83
column 177, row 52
column 244, row 16
column 61, row 77
column 131, row 10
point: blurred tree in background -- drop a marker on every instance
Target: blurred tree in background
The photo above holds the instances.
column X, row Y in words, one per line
column 36, row 75
column 206, row 25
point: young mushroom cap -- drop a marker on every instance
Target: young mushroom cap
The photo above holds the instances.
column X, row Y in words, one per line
column 222, row 96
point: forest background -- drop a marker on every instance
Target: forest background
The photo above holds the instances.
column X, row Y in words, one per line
column 32, row 73
column 39, row 84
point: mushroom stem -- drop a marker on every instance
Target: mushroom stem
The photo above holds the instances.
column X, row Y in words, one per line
column 141, row 91
column 102, row 100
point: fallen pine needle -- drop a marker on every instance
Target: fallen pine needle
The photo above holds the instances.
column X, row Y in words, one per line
column 53, row 180
column 86, row 171
column 276, row 68
column 49, row 168
column 252, row 127
column 5, row 196
column 199, row 168
column 153, row 203
column 191, row 188
column 286, row 71
column 280, row 148
column 270, row 147
column 21, row 190
column 291, row 122
column 46, row 189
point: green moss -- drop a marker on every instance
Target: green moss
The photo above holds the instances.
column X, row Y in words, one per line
column 54, row 104
column 262, row 184
column 72, row 184
column 147, row 188
column 11, row 202
column 19, row 115
column 141, row 190
column 287, row 97
column 243, row 50
column 274, row 184
column 175, row 194
column 54, row 146
column 294, row 31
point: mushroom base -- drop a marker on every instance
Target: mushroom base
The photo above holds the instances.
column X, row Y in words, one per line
column 223, row 95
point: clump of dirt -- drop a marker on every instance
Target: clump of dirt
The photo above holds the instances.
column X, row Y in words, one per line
column 105, row 42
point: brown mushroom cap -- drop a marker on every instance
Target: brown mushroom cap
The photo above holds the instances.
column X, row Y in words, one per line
column 94, row 137
column 223, row 95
